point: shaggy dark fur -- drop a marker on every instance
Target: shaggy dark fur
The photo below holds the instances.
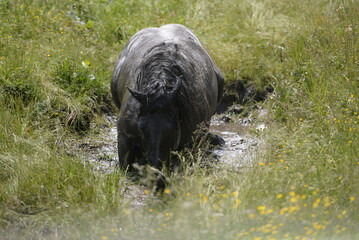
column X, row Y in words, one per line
column 164, row 84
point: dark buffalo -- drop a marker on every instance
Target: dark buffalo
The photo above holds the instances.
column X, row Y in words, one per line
column 165, row 84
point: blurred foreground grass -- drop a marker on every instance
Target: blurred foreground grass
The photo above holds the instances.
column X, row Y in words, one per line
column 56, row 59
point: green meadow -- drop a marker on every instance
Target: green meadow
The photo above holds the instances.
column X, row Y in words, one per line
column 56, row 62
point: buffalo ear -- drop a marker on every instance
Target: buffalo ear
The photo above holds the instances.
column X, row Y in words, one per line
column 140, row 97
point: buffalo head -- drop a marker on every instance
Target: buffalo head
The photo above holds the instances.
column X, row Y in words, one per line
column 158, row 123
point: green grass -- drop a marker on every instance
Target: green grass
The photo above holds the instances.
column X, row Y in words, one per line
column 56, row 61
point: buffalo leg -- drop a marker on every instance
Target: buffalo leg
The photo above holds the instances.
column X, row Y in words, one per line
column 126, row 155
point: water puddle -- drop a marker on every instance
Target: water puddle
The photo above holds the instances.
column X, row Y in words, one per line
column 239, row 148
column 238, row 151
column 101, row 151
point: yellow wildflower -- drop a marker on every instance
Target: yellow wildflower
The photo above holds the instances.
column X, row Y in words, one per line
column 251, row 215
column 261, row 208
column 283, row 210
column 341, row 215
column 327, row 202
column 235, row 194
column 316, row 203
column 204, row 199
column 237, row 201
column 318, row 226
column 309, row 232
column 293, row 209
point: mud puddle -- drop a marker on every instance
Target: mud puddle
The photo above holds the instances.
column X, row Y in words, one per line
column 238, row 151
column 101, row 151
column 240, row 146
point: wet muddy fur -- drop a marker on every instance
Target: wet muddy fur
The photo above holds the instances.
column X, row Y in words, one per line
column 165, row 85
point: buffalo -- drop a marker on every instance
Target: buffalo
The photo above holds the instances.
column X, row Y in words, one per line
column 165, row 85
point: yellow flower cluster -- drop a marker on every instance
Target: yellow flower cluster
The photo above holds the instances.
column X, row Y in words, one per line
column 263, row 210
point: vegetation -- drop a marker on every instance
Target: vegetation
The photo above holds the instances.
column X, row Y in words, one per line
column 56, row 61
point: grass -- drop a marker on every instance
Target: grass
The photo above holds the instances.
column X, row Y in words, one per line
column 56, row 60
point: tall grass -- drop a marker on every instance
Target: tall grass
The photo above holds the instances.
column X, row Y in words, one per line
column 56, row 59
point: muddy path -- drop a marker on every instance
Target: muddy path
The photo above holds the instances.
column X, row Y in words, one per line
column 240, row 144
column 238, row 124
column 239, row 150
column 234, row 124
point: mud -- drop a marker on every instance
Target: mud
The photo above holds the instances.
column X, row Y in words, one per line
column 236, row 122
column 240, row 146
column 238, row 151
column 101, row 151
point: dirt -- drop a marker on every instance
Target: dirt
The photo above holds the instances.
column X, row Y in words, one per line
column 234, row 124
column 238, row 150
column 240, row 145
